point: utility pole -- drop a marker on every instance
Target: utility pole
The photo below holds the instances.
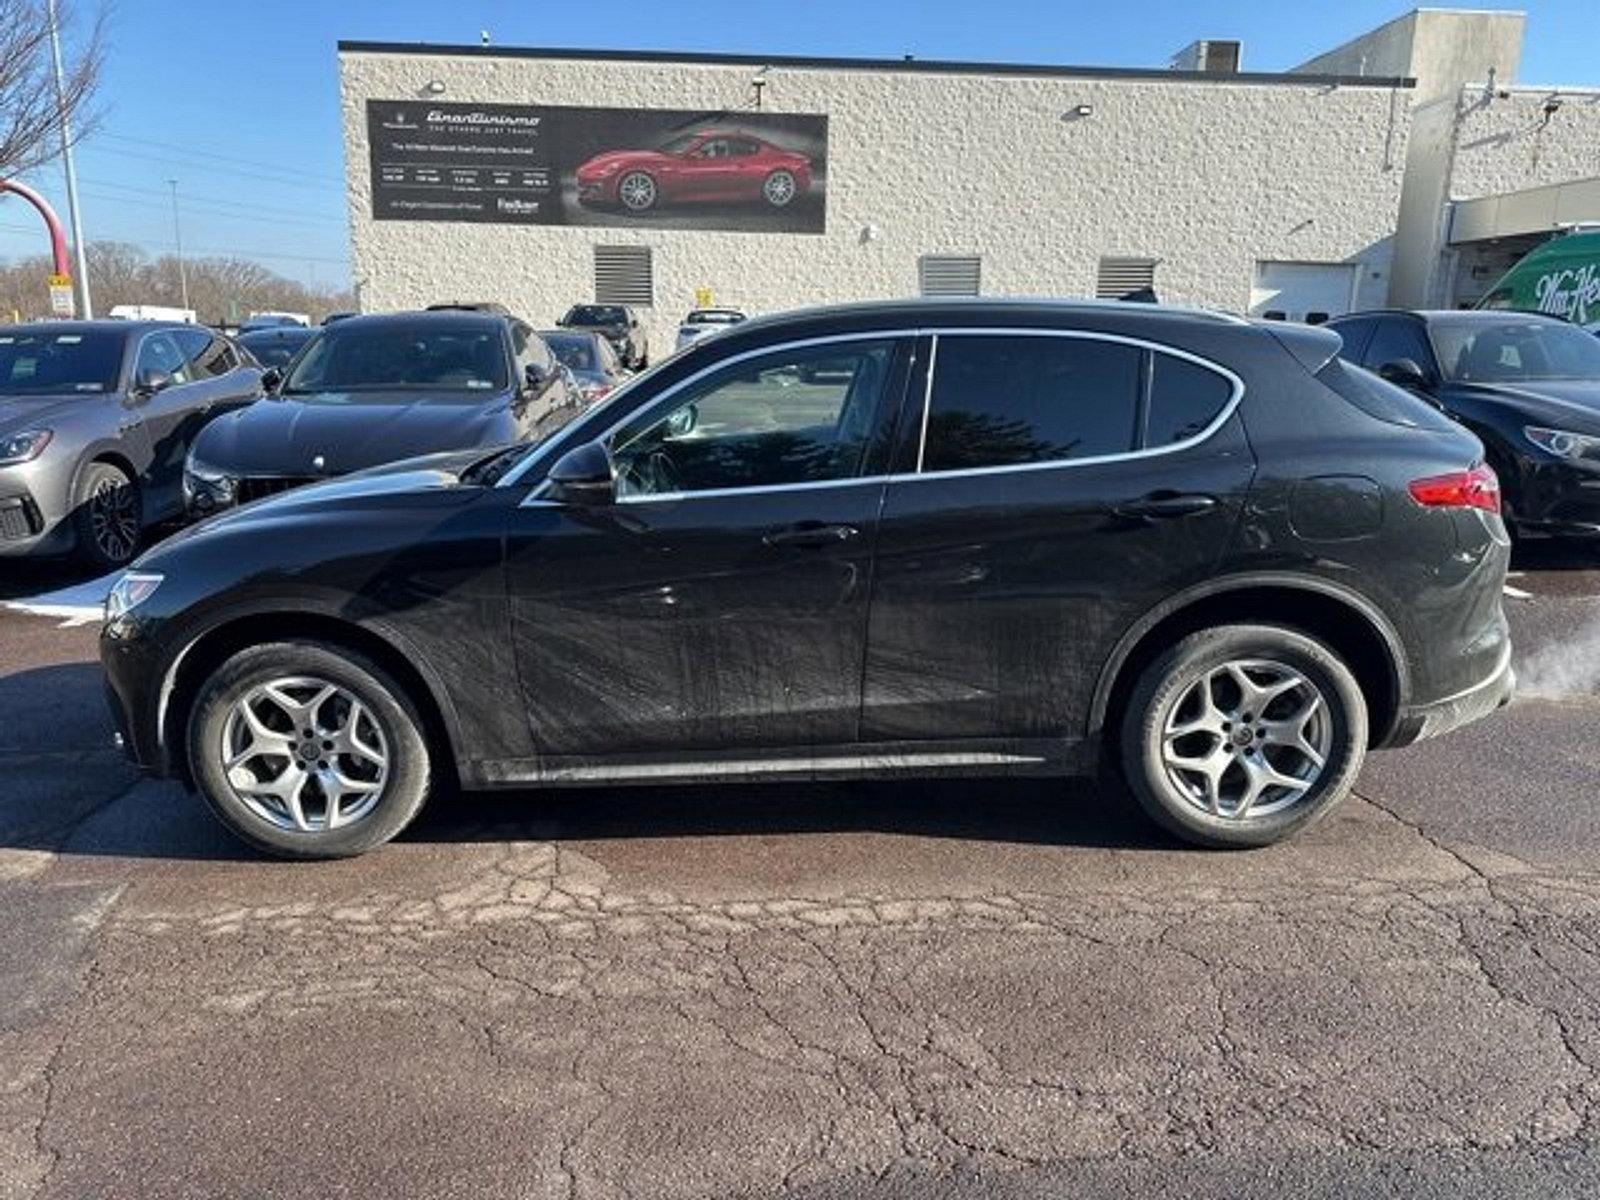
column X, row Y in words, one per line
column 177, row 241
column 74, row 216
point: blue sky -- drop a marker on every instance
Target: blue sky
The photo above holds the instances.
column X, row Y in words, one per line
column 239, row 102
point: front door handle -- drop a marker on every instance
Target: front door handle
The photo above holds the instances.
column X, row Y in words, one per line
column 810, row 534
column 1165, row 505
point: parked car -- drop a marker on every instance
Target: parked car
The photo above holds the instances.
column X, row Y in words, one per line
column 272, row 320
column 1527, row 385
column 594, row 364
column 1561, row 277
column 701, row 321
column 619, row 324
column 373, row 390
column 708, row 166
column 275, row 346
column 1202, row 549
column 95, row 419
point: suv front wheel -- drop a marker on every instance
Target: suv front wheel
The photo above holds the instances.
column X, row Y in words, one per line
column 1242, row 735
column 308, row 750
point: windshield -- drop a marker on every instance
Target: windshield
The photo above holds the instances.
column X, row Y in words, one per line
column 713, row 316
column 385, row 358
column 274, row 349
column 1509, row 351
column 594, row 314
column 40, row 362
column 576, row 351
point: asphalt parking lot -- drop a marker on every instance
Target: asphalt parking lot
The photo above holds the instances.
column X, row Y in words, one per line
column 970, row 989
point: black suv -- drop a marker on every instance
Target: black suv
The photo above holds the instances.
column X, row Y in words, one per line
column 619, row 325
column 1527, row 384
column 891, row 539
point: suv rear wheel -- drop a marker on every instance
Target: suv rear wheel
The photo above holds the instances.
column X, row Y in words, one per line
column 308, row 750
column 1242, row 735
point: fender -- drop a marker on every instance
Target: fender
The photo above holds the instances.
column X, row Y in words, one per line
column 1288, row 580
column 315, row 606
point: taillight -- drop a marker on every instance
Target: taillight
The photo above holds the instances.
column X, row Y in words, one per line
column 1477, row 488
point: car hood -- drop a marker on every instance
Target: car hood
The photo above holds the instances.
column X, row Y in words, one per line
column 24, row 412
column 618, row 158
column 285, row 435
column 1559, row 403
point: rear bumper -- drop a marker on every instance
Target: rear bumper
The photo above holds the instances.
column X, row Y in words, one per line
column 1441, row 716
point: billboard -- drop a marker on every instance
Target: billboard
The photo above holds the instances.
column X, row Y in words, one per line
column 648, row 167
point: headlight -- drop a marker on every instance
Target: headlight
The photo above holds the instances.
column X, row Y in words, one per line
column 1562, row 443
column 132, row 589
column 23, row 447
column 193, row 466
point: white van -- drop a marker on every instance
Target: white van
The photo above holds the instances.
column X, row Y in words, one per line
column 152, row 312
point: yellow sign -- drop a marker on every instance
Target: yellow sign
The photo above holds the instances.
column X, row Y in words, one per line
column 702, row 297
column 61, row 281
column 61, row 304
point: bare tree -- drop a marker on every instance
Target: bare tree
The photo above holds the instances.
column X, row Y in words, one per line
column 31, row 112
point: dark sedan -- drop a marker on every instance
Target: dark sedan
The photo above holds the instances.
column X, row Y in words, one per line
column 274, row 347
column 590, row 358
column 1528, row 385
column 373, row 390
column 619, row 324
column 884, row 540
column 95, row 420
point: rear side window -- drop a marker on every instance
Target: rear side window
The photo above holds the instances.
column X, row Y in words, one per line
column 1184, row 398
column 1007, row 400
column 1381, row 399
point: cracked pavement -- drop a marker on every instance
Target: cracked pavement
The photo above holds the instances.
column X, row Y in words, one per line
column 965, row 988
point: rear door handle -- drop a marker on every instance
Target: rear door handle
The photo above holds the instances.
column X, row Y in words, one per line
column 1165, row 505
column 810, row 534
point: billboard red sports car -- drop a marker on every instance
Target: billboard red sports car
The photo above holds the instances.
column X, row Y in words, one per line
column 704, row 167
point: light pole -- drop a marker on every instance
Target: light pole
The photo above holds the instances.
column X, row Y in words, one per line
column 177, row 241
column 80, row 259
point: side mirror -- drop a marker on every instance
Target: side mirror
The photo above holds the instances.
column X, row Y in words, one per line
column 1404, row 372
column 534, row 377
column 271, row 379
column 583, row 476
column 682, row 423
column 149, row 381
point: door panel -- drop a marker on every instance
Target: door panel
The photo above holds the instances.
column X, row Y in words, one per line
column 167, row 417
column 721, row 601
column 1006, row 570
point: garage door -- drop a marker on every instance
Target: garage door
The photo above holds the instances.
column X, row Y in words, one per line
column 1299, row 291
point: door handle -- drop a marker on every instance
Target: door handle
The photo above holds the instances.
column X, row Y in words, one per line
column 1165, row 505
column 810, row 535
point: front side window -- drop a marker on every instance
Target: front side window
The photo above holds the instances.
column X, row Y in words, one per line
column 1005, row 400
column 161, row 353
column 796, row 416
column 1395, row 340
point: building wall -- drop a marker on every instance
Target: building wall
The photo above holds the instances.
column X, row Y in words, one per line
column 1441, row 50
column 1506, row 143
column 1208, row 177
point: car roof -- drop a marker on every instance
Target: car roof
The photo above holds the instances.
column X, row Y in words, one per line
column 1463, row 315
column 278, row 331
column 459, row 317
column 109, row 325
column 985, row 310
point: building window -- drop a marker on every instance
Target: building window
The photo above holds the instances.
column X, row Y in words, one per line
column 1119, row 277
column 949, row 274
column 624, row 275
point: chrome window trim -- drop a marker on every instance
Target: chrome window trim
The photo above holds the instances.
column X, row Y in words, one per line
column 538, row 498
column 1217, row 422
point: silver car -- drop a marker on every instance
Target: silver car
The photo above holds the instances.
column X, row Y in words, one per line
column 96, row 418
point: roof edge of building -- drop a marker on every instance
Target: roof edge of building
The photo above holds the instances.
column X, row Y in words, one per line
column 910, row 65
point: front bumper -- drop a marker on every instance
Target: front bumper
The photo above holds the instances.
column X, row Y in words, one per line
column 1441, row 716
column 1559, row 498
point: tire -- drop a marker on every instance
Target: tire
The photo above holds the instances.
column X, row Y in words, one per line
column 107, row 517
column 637, row 191
column 779, row 189
column 375, row 799
column 1231, row 741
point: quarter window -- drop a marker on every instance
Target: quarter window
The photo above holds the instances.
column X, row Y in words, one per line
column 1184, row 398
column 1006, row 400
column 795, row 416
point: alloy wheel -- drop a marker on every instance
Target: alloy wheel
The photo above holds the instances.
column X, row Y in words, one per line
column 779, row 189
column 637, row 191
column 305, row 754
column 114, row 519
column 1247, row 739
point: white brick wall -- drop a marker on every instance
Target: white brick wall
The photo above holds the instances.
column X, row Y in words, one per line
column 1208, row 177
column 1506, row 144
